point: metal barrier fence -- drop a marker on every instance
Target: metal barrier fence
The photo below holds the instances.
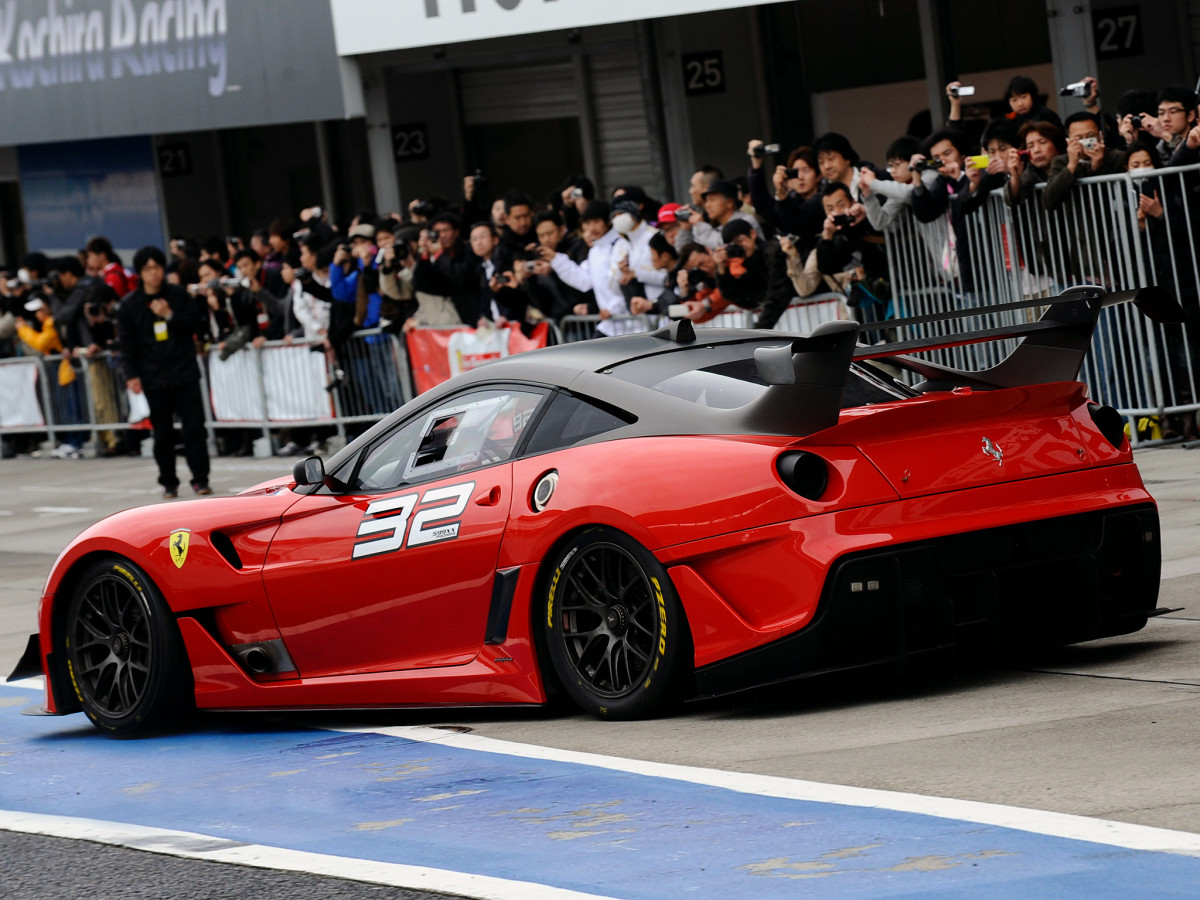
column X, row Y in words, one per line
column 1008, row 251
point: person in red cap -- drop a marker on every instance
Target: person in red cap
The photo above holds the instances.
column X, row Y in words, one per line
column 667, row 223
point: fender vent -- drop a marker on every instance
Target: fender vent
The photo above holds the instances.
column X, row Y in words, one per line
column 223, row 545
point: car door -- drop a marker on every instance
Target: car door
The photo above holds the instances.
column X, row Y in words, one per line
column 396, row 571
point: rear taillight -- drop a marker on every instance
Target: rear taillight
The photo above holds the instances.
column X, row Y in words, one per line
column 803, row 472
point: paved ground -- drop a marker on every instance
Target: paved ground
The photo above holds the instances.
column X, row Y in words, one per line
column 1104, row 729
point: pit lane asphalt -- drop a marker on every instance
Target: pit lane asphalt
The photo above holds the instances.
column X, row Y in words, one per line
column 1104, row 729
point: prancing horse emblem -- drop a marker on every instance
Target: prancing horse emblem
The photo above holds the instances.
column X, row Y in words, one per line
column 993, row 451
column 179, row 546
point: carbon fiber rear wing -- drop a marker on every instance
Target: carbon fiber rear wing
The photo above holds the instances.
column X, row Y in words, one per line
column 1053, row 349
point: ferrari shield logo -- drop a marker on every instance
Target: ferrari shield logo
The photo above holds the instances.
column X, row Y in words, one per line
column 179, row 546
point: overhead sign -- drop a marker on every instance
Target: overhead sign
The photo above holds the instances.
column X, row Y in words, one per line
column 72, row 69
column 361, row 27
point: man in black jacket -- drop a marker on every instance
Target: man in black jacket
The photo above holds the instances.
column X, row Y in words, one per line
column 157, row 326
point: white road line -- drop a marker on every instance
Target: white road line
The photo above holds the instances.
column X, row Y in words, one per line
column 61, row 510
column 1054, row 824
column 190, row 845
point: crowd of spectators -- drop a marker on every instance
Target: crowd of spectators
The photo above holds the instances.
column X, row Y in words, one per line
column 807, row 223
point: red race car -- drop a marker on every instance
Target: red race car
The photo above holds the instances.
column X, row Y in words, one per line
column 632, row 521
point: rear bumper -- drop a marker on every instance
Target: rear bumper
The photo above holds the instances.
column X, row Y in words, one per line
column 1053, row 581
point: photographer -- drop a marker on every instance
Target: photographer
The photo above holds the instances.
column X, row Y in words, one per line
column 572, row 199
column 1029, row 164
column 445, row 276
column 516, row 234
column 501, row 298
column 353, row 265
column 1176, row 117
column 720, row 207
column 598, row 273
column 552, row 295
column 696, row 283
column 752, row 276
column 844, row 244
column 793, row 205
column 308, row 289
column 884, row 199
column 395, row 263
column 258, row 315
column 1086, row 155
column 664, row 258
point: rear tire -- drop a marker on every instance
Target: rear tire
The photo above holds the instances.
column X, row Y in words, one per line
column 614, row 626
column 123, row 651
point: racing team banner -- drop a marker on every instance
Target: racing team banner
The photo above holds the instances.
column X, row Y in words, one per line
column 19, row 406
column 438, row 354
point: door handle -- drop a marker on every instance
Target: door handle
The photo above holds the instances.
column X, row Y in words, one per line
column 491, row 498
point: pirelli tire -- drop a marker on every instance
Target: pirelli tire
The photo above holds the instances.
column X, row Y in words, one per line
column 124, row 655
column 614, row 627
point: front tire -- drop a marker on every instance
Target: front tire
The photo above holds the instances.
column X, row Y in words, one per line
column 124, row 654
column 614, row 627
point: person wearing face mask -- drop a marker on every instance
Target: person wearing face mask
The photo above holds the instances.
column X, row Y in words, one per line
column 599, row 273
column 647, row 282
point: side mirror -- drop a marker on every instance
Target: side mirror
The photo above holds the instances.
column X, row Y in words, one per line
column 309, row 471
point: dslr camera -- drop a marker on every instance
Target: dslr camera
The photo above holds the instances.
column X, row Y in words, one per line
column 734, row 251
column 763, row 149
column 697, row 277
column 423, row 208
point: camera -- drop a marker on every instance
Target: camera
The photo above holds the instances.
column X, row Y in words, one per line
column 422, row 208
column 794, row 238
column 763, row 149
column 843, row 220
column 697, row 277
column 576, row 193
column 734, row 251
column 1136, row 122
column 683, row 214
column 303, row 274
column 480, row 178
column 316, row 214
column 927, row 164
column 233, row 241
column 980, row 161
column 793, row 172
column 345, row 246
column 13, row 283
column 963, row 90
column 1077, row 89
column 1089, row 143
column 529, row 264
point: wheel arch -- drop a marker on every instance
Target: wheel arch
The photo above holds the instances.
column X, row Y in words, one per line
column 541, row 584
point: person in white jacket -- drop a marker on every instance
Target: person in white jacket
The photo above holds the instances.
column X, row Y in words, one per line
column 600, row 273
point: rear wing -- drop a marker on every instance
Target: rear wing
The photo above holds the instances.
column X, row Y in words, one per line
column 1053, row 349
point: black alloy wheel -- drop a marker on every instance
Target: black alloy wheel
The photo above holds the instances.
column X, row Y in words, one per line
column 123, row 650
column 614, row 626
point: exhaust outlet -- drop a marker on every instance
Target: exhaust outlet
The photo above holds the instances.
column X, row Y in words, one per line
column 257, row 660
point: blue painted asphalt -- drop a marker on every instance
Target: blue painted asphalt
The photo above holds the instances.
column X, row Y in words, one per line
column 378, row 797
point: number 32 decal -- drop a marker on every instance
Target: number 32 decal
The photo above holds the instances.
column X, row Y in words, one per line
column 385, row 522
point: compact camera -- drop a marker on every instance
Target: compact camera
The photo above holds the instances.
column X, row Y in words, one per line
column 423, row 208
column 683, row 214
column 529, row 264
column 843, row 220
column 1136, row 122
column 734, row 251
column 1089, row 143
column 697, row 277
column 963, row 90
column 794, row 238
column 927, row 164
column 793, row 172
column 763, row 149
column 1078, row 89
